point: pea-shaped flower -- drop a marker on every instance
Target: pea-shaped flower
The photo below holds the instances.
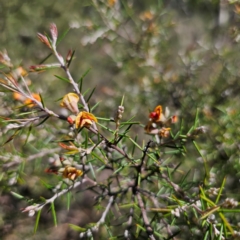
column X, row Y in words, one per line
column 71, row 173
column 84, row 119
column 157, row 115
column 159, row 122
column 70, row 101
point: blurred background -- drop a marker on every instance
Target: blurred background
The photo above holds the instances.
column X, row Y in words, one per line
column 183, row 54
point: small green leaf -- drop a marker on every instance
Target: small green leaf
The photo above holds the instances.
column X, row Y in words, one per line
column 54, row 214
column 28, row 134
column 104, row 119
column 91, row 94
column 62, row 78
column 135, row 143
column 48, row 186
column 42, row 100
column 12, row 137
column 37, row 221
column 80, row 81
column 16, row 195
column 98, row 157
column 60, row 38
column 129, row 123
column 122, row 100
column 92, row 171
column 44, row 120
column 93, row 107
column 46, row 58
column 129, row 205
column 42, row 199
column 134, row 147
column 69, row 62
column 77, row 228
column 214, row 209
column 118, row 170
column 220, row 190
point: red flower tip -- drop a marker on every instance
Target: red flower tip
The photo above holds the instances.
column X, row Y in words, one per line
column 70, row 120
column 153, row 115
column 52, row 169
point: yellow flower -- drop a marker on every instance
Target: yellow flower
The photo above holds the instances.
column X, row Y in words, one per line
column 85, row 119
column 70, row 101
column 71, row 173
column 164, row 132
column 18, row 96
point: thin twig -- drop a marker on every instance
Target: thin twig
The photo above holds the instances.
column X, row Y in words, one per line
column 18, row 160
column 145, row 217
column 39, row 207
column 129, row 222
column 101, row 220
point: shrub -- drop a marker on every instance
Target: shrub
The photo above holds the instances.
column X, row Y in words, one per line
column 140, row 178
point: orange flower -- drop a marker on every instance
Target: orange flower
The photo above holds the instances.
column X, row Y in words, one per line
column 70, row 101
column 159, row 122
column 85, row 119
column 112, row 2
column 18, row 96
column 146, row 16
column 31, row 103
column 164, row 132
column 15, row 74
column 18, row 72
column 174, row 119
column 27, row 101
column 68, row 147
column 72, row 149
column 157, row 114
column 71, row 173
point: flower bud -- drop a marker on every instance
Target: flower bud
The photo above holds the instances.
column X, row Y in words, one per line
column 5, row 59
column 44, row 40
column 54, row 32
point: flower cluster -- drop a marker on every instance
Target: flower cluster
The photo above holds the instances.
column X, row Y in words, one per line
column 83, row 118
column 119, row 113
column 178, row 210
column 72, row 173
column 213, row 191
column 27, row 101
column 230, row 203
column 159, row 122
